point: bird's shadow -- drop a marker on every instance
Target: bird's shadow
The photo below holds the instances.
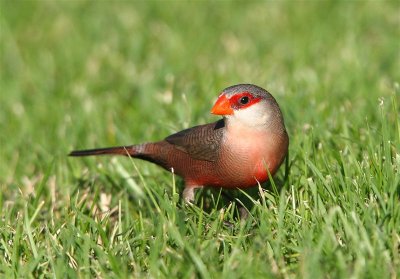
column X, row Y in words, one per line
column 216, row 198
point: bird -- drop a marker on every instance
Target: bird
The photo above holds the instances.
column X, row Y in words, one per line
column 239, row 151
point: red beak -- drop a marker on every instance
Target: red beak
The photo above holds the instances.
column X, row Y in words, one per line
column 222, row 106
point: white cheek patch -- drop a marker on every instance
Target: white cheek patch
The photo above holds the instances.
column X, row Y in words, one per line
column 255, row 115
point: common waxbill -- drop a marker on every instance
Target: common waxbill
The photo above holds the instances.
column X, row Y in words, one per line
column 233, row 152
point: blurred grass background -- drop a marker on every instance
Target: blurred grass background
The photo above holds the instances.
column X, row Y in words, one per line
column 84, row 74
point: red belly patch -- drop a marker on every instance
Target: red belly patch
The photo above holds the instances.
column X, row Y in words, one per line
column 261, row 173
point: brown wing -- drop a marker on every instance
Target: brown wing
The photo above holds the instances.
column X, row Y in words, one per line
column 200, row 142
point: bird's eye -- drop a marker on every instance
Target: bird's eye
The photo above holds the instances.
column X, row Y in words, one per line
column 244, row 100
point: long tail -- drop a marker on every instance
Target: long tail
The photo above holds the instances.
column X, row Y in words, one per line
column 156, row 153
column 130, row 150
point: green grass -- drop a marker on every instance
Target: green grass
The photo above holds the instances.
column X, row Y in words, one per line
column 87, row 74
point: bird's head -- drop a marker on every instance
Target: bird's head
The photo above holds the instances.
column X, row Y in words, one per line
column 249, row 105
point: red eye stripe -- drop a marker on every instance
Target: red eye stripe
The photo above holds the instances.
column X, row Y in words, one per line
column 243, row 100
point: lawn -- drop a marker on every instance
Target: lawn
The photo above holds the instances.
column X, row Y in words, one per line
column 83, row 74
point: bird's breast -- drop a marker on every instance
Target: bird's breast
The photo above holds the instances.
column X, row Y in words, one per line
column 248, row 156
column 244, row 159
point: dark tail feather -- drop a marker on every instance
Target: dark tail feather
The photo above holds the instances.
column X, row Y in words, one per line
column 119, row 150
